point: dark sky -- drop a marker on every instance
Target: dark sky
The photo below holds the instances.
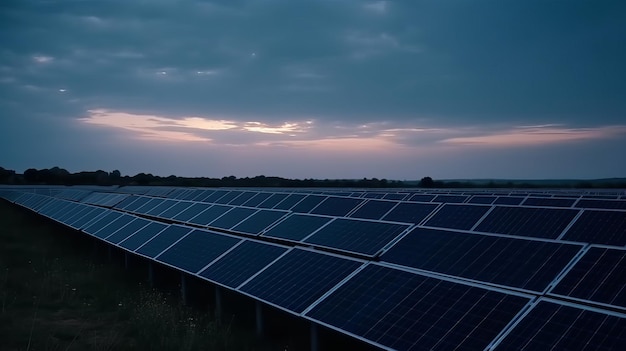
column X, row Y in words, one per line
column 315, row 88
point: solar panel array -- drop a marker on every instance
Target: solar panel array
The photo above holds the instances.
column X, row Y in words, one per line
column 401, row 270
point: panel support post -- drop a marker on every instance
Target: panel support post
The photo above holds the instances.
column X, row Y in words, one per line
column 314, row 337
column 259, row 318
column 218, row 304
column 183, row 288
column 151, row 274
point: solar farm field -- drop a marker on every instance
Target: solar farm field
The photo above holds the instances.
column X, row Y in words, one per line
column 397, row 270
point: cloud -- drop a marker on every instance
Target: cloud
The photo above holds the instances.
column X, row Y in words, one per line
column 538, row 135
column 377, row 7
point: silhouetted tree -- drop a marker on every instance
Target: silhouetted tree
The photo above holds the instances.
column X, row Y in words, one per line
column 427, row 182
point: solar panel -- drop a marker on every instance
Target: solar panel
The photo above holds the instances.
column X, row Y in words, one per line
column 257, row 199
column 508, row 200
column 599, row 227
column 191, row 211
column 551, row 325
column 90, row 216
column 228, row 197
column 164, row 205
column 485, row 200
column 243, row 261
column 232, row 217
column 457, row 216
column 126, row 202
column 527, row 221
column 273, row 200
column 336, row 206
column 373, row 209
column 102, row 222
column 114, row 226
column 602, row 204
column 422, row 198
column 75, row 215
column 289, row 202
column 299, row 278
column 163, row 240
column 242, row 198
column 308, row 203
column 196, row 250
column 175, row 210
column 520, row 263
column 260, row 220
column 297, row 227
column 410, row 212
column 360, row 236
column 140, row 201
column 598, row 276
column 395, row 196
column 152, row 203
column 128, row 230
column 548, row 202
column 450, row 198
column 210, row 214
column 408, row 311
column 213, row 195
column 142, row 236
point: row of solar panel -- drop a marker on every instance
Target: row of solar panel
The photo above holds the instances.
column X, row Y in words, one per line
column 525, row 264
column 389, row 307
column 589, row 226
column 240, row 197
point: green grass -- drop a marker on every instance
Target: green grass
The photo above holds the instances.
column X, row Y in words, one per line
column 54, row 295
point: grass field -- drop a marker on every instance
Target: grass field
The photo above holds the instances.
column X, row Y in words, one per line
column 56, row 295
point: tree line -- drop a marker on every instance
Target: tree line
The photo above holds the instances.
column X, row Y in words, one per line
column 60, row 176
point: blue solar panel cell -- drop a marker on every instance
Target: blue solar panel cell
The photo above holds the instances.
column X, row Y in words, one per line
column 297, row 227
column 140, row 201
column 212, row 196
column 152, row 203
column 508, row 200
column 259, row 221
column 599, row 227
column 598, row 276
column 242, row 198
column 407, row 311
column 422, row 198
column 450, row 198
column 228, row 197
column 273, row 200
column 210, row 214
column 457, row 216
column 336, row 206
column 308, row 203
column 359, row 236
column 126, row 202
column 232, row 217
column 127, row 231
column 102, row 222
column 299, row 278
column 395, row 196
column 142, row 236
column 548, row 202
column 257, row 199
column 114, row 226
column 410, row 212
column 485, row 200
column 289, row 202
column 164, row 205
column 175, row 210
column 602, row 204
column 163, row 240
column 85, row 220
column 373, row 209
column 191, row 211
column 546, row 223
column 553, row 326
column 241, row 263
column 520, row 263
column 196, row 250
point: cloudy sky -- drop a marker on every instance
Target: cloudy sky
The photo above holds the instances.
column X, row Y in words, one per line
column 315, row 88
